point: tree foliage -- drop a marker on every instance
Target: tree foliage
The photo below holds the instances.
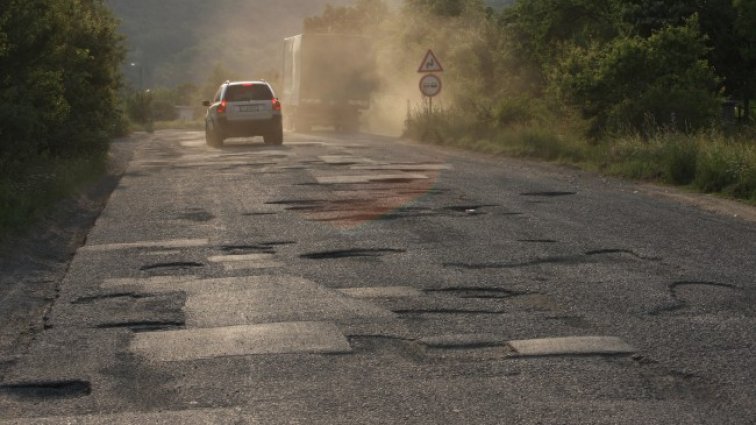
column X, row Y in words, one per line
column 59, row 77
column 360, row 18
column 663, row 81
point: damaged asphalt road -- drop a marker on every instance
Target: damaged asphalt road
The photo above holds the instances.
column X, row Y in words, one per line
column 342, row 279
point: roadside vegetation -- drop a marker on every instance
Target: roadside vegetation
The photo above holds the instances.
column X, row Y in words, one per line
column 633, row 88
column 59, row 107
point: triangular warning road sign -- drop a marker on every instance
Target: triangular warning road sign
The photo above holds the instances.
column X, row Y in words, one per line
column 430, row 63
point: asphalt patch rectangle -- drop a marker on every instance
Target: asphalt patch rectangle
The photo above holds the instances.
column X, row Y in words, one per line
column 272, row 338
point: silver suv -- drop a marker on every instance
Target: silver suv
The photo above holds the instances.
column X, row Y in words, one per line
column 243, row 109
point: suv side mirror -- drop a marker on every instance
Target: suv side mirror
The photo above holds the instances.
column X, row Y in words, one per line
column 206, row 103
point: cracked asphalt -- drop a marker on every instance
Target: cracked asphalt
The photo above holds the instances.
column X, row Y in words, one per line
column 357, row 279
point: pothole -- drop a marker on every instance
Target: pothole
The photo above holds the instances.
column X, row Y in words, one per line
column 258, row 248
column 711, row 296
column 173, row 266
column 609, row 251
column 144, row 325
column 424, row 192
column 396, row 180
column 248, row 249
column 295, row 202
column 347, row 253
column 385, row 344
column 424, row 311
column 476, row 292
column 48, row 389
column 95, row 298
column 537, row 240
column 462, row 342
column 468, row 208
column 563, row 260
column 548, row 194
column 196, row 215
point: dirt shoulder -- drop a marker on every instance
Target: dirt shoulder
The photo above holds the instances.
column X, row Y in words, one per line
column 706, row 202
column 33, row 265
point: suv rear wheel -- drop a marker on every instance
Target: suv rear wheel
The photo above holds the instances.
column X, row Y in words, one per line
column 275, row 137
column 213, row 137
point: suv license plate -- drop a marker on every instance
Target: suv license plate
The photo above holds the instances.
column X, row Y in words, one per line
column 249, row 108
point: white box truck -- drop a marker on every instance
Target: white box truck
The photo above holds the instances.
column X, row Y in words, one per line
column 327, row 80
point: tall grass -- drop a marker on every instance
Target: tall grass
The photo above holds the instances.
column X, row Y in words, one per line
column 29, row 189
column 707, row 161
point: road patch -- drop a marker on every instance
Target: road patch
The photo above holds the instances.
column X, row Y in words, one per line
column 176, row 243
column 575, row 345
column 344, row 159
column 272, row 338
column 382, row 292
column 146, row 281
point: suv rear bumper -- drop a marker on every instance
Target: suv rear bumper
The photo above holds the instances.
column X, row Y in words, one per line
column 249, row 128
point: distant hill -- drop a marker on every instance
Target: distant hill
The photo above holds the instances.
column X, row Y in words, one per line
column 176, row 41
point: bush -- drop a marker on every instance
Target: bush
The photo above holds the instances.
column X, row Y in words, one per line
column 642, row 84
column 727, row 167
column 59, row 75
column 679, row 155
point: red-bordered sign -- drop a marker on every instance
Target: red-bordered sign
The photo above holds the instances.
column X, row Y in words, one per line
column 430, row 63
column 430, row 85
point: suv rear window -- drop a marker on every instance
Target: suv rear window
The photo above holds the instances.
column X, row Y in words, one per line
column 243, row 93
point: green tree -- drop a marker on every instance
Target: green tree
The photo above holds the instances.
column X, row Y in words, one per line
column 360, row 18
column 539, row 29
column 745, row 26
column 58, row 77
column 641, row 84
column 444, row 7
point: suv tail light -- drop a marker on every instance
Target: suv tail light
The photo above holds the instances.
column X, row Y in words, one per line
column 222, row 107
column 276, row 105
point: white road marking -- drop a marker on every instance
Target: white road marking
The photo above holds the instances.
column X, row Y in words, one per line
column 272, row 338
column 177, row 243
column 382, row 292
column 571, row 345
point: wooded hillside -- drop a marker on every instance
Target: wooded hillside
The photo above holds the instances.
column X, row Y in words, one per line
column 176, row 41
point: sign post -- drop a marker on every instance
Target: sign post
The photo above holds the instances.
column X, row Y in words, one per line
column 430, row 83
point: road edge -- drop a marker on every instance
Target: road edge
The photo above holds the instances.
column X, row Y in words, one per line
column 34, row 264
